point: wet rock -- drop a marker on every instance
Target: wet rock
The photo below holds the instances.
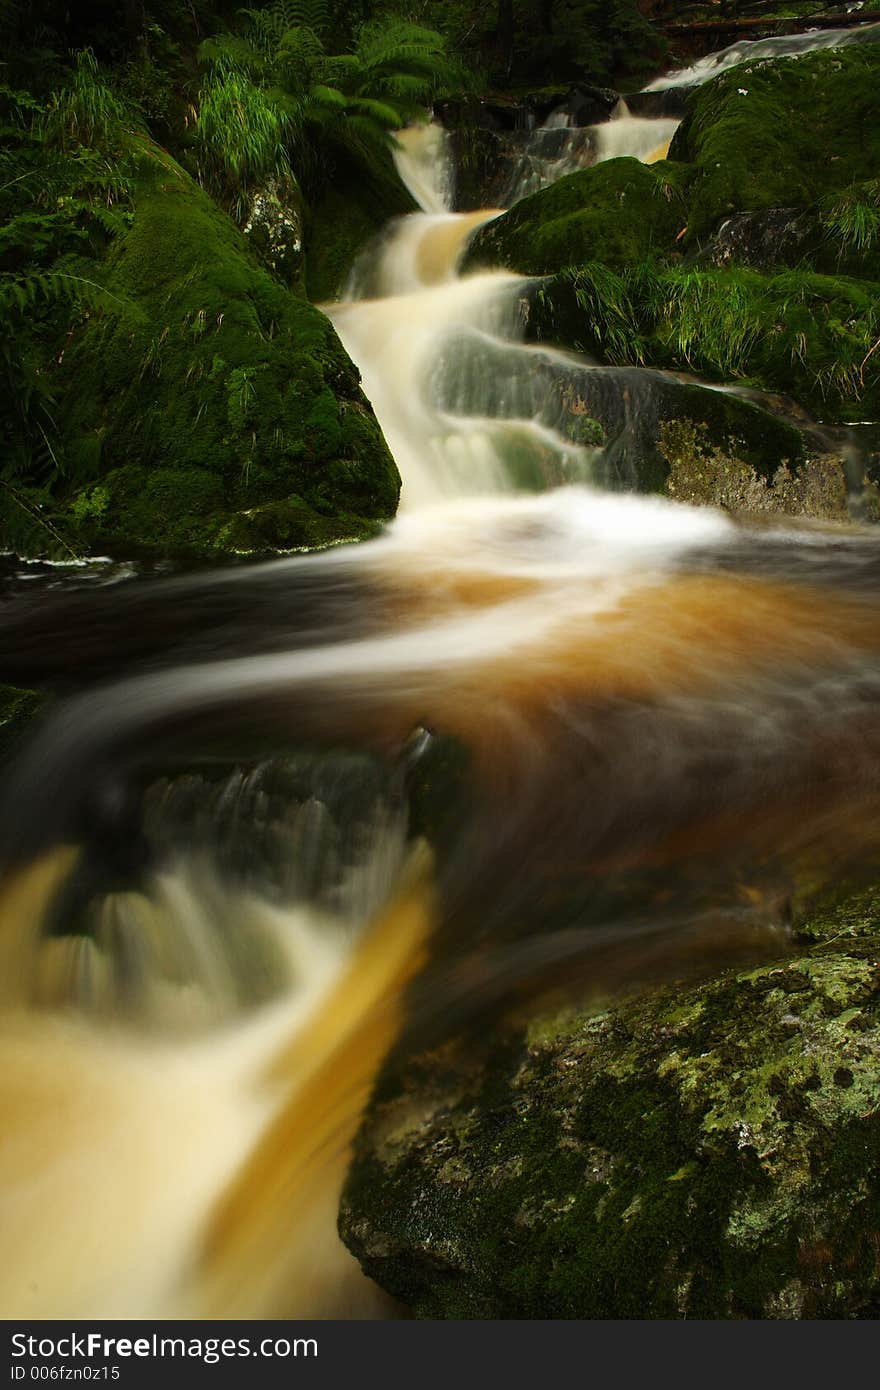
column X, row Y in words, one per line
column 706, row 1151
column 492, row 144
column 483, row 161
column 705, row 475
column 764, row 240
column 274, row 227
column 667, row 101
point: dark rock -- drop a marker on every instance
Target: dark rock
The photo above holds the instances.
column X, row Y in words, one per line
column 765, row 240
column 666, row 101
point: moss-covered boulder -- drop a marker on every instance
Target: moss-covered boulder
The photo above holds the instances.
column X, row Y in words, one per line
column 781, row 134
column 751, row 254
column 702, row 1151
column 206, row 406
column 17, row 708
column 616, row 212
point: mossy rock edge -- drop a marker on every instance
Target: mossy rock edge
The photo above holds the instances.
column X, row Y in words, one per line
column 708, row 1151
column 206, row 406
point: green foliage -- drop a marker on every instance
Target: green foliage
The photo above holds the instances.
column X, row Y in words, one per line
column 814, row 336
column 86, row 112
column 241, row 133
column 851, row 219
column 61, row 202
column 276, row 95
column 706, row 319
column 603, row 298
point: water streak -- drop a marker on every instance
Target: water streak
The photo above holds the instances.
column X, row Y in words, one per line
column 759, row 50
column 650, row 728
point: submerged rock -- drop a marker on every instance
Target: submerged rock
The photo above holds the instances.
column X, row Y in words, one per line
column 708, row 1150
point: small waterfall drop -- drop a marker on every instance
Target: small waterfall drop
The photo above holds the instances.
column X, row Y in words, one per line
column 466, row 407
column 559, row 147
column 423, row 161
column 640, row 137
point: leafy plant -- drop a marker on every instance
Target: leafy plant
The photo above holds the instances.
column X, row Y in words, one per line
column 275, row 98
column 86, row 112
column 852, row 219
column 60, row 201
column 241, row 133
column 603, row 297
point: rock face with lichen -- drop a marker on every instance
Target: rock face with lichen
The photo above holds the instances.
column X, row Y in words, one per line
column 707, row 1151
column 703, row 474
column 274, row 226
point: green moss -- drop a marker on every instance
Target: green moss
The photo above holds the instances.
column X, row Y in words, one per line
column 616, row 212
column 208, row 390
column 702, row 1151
column 808, row 335
column 781, row 133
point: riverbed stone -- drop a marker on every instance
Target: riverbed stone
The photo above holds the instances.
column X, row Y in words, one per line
column 702, row 1150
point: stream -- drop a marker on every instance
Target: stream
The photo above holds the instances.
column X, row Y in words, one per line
column 633, row 732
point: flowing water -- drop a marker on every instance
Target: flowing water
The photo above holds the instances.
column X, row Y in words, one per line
column 757, row 50
column 635, row 734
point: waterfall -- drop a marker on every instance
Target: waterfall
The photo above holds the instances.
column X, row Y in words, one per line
column 216, row 891
column 642, row 138
column 423, row 161
column 466, row 406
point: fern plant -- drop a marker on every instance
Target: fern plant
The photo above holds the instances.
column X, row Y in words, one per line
column 60, row 202
column 275, row 97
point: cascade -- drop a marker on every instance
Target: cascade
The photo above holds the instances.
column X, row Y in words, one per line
column 210, row 925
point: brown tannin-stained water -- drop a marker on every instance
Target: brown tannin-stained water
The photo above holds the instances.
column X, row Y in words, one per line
column 634, row 732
